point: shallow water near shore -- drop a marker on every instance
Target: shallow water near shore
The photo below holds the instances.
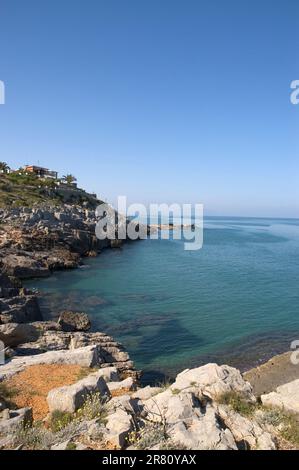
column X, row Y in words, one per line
column 234, row 301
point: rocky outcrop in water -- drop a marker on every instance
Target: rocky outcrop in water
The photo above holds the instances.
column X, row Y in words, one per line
column 17, row 305
column 33, row 242
column 32, row 340
column 74, row 321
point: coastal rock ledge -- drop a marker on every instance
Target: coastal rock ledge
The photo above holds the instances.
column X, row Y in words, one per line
column 101, row 411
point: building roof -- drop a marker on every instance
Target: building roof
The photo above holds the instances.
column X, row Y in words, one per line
column 35, row 167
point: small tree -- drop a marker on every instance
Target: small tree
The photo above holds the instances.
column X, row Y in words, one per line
column 69, row 179
column 4, row 168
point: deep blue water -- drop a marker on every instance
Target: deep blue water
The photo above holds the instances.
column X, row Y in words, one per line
column 236, row 300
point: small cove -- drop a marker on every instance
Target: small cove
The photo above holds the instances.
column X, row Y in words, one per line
column 234, row 301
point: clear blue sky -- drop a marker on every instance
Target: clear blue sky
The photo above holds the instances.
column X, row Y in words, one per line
column 159, row 100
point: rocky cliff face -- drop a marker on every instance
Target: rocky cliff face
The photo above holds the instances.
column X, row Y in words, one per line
column 33, row 243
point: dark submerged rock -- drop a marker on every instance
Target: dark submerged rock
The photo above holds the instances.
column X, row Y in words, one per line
column 74, row 321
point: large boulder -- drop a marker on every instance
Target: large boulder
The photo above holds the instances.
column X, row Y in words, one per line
column 247, row 433
column 190, row 413
column 123, row 386
column 188, row 421
column 171, row 407
column 62, row 258
column 74, row 321
column 126, row 403
column 203, row 433
column 13, row 334
column 20, row 309
column 85, row 357
column 285, row 397
column 213, row 381
column 109, row 351
column 70, row 398
column 119, row 425
column 110, row 374
column 23, row 267
column 15, row 420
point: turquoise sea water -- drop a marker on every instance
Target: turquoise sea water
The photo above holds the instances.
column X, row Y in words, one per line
column 236, row 300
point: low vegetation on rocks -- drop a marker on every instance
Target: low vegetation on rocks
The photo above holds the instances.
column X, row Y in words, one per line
column 238, row 403
column 59, row 420
column 283, row 424
column 209, row 407
column 93, row 408
column 22, row 189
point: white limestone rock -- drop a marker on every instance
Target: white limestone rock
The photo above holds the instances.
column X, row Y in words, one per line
column 125, row 385
column 170, row 407
column 212, row 381
column 203, row 433
column 16, row 419
column 247, row 432
column 119, row 424
column 85, row 357
column 285, row 397
column 70, row 398
column 146, row 392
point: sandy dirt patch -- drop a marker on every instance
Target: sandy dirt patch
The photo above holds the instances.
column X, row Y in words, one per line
column 32, row 385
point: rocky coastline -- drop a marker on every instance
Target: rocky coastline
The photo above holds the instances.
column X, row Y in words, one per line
column 99, row 402
column 34, row 243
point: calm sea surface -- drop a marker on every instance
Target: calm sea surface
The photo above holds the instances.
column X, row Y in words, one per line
column 234, row 301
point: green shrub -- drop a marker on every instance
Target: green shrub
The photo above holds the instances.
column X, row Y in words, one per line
column 71, row 446
column 289, row 428
column 152, row 434
column 59, row 420
column 6, row 393
column 237, row 403
column 35, row 438
column 93, row 408
column 270, row 416
column 286, row 424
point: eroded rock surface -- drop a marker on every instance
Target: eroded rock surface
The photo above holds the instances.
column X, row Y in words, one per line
column 285, row 397
column 189, row 414
column 70, row 398
column 74, row 321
